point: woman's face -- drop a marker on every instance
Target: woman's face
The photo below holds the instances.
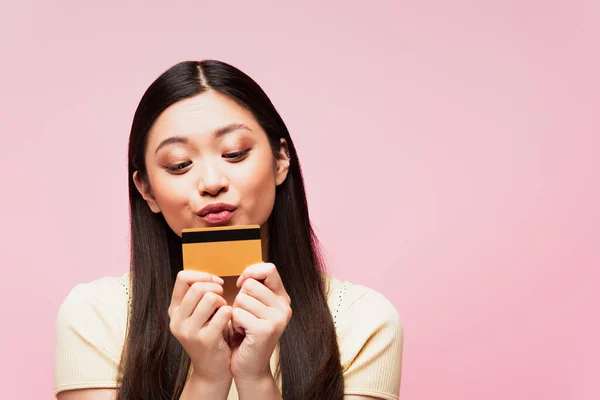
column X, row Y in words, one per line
column 209, row 163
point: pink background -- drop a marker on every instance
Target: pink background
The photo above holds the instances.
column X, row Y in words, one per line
column 451, row 152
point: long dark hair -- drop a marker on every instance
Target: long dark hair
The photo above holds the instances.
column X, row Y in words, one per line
column 154, row 365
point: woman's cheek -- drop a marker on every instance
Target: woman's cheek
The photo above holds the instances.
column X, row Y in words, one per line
column 264, row 199
column 173, row 192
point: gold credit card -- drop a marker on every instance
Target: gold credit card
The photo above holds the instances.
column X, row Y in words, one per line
column 223, row 250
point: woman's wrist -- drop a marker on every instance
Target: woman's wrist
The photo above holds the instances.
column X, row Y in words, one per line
column 199, row 388
column 259, row 388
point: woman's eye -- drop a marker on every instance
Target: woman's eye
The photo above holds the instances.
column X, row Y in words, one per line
column 180, row 166
column 236, row 155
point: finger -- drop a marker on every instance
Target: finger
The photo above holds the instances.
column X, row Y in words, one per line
column 243, row 321
column 260, row 292
column 205, row 310
column 220, row 321
column 253, row 306
column 194, row 296
column 185, row 279
column 266, row 272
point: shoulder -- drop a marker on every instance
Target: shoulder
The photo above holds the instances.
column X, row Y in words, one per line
column 352, row 303
column 107, row 284
column 370, row 339
column 105, row 298
column 90, row 331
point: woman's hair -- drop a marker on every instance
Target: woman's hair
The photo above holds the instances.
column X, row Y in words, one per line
column 154, row 365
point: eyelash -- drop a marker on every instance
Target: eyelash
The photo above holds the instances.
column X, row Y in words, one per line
column 179, row 167
column 236, row 156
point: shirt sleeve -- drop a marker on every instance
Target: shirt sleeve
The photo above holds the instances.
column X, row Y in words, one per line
column 370, row 337
column 89, row 339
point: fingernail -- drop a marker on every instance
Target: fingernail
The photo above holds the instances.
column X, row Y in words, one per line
column 218, row 280
column 238, row 281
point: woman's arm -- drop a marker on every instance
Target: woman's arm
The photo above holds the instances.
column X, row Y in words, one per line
column 110, row 394
column 88, row 394
column 263, row 389
column 261, row 311
column 194, row 389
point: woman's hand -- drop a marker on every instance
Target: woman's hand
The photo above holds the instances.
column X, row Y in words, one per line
column 199, row 317
column 261, row 311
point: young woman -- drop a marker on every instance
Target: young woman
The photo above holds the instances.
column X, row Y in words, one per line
column 207, row 148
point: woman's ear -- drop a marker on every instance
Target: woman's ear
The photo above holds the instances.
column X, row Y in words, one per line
column 282, row 162
column 143, row 188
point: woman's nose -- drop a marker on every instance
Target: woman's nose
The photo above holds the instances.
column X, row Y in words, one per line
column 213, row 181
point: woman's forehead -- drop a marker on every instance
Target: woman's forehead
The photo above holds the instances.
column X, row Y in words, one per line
column 201, row 115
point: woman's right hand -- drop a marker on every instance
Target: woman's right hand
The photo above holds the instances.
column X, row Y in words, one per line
column 199, row 317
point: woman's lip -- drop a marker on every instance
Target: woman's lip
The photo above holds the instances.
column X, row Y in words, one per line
column 220, row 217
column 215, row 208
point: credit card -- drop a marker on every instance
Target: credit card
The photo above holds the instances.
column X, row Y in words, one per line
column 223, row 251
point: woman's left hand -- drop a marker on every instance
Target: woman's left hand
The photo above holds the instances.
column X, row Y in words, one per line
column 261, row 311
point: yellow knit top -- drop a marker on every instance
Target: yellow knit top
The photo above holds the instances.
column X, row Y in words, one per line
column 92, row 321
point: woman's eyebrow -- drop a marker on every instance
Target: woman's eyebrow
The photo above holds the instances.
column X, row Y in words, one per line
column 223, row 130
column 171, row 140
column 217, row 133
